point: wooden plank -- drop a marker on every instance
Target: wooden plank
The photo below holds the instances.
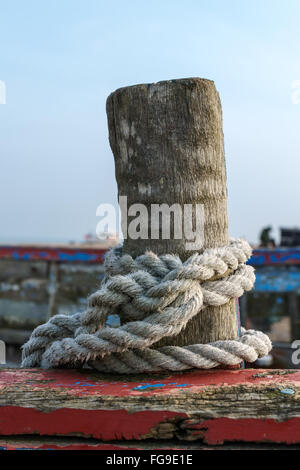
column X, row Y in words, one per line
column 53, row 280
column 208, row 406
column 48, row 253
column 279, row 256
column 71, row 443
column 156, row 447
column 76, row 254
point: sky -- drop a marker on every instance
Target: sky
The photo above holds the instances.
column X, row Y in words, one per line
column 61, row 59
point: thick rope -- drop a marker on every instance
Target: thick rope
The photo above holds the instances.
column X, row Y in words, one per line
column 155, row 297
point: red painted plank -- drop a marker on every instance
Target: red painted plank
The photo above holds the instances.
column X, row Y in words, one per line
column 275, row 257
column 99, row 424
column 215, row 406
column 108, row 425
column 59, row 254
column 6, row 445
column 79, row 383
column 218, row 431
column 86, row 254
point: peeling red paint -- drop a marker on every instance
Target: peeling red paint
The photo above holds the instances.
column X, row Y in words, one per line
column 101, row 446
column 109, row 425
column 133, row 423
column 220, row 430
column 77, row 383
column 100, row 424
column 6, row 445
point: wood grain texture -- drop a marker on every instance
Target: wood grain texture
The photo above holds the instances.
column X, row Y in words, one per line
column 168, row 145
column 211, row 407
column 156, row 447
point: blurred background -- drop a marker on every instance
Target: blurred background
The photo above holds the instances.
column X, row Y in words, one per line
column 59, row 60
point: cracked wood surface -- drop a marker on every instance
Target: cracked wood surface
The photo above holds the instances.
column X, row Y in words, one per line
column 207, row 406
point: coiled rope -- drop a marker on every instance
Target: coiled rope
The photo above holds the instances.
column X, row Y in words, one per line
column 155, row 297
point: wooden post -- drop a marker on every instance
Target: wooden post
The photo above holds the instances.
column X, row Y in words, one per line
column 52, row 288
column 168, row 145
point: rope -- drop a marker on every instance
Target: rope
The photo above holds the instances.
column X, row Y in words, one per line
column 155, row 297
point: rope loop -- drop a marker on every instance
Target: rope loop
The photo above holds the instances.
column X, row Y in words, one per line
column 155, row 297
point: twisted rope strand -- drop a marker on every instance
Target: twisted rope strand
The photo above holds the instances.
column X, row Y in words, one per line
column 155, row 297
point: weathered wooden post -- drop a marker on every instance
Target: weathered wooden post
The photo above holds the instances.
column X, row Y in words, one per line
column 168, row 145
column 53, row 274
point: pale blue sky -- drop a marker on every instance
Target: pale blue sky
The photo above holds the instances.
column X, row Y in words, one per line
column 61, row 59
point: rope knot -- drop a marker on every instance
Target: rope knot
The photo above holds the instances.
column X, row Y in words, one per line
column 155, row 297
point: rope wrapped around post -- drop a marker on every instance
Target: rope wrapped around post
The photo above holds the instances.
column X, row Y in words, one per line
column 154, row 296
